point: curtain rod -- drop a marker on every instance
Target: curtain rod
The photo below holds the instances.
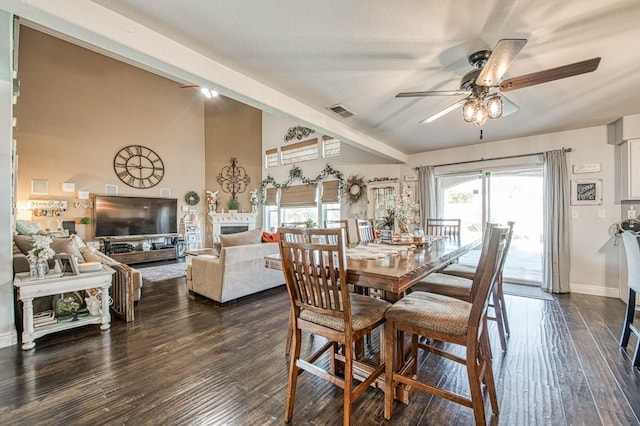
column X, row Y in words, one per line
column 491, row 159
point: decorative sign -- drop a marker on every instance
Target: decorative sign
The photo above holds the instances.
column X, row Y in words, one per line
column 586, row 168
column 586, row 192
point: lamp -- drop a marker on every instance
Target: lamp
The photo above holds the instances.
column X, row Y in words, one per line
column 476, row 111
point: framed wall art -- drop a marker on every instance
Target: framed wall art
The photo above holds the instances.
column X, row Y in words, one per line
column 586, row 192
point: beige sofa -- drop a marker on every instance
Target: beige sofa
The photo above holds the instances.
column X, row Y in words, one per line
column 126, row 284
column 238, row 271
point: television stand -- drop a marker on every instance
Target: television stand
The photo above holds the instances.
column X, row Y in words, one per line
column 130, row 250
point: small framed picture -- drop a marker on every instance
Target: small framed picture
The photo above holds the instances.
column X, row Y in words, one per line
column 586, row 192
column 68, row 264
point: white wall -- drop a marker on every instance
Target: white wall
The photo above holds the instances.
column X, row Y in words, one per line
column 594, row 259
column 7, row 329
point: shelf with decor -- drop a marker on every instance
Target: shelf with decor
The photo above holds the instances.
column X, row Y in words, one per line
column 192, row 231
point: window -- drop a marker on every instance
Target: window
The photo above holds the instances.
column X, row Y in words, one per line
column 271, row 158
column 301, row 203
column 330, row 147
column 301, row 151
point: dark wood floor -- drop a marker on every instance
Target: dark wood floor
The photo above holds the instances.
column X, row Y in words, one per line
column 190, row 362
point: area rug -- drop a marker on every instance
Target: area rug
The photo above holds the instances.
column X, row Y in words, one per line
column 521, row 290
column 163, row 272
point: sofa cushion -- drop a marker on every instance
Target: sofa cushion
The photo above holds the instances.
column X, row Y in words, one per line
column 27, row 227
column 242, row 238
column 59, row 245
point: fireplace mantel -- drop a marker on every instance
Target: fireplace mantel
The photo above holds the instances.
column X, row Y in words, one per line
column 220, row 220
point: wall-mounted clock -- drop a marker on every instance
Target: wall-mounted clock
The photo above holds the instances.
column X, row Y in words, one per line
column 138, row 166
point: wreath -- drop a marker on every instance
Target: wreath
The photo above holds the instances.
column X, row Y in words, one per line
column 192, row 198
column 356, row 189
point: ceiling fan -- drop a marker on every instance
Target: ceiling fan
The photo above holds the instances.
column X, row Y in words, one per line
column 481, row 102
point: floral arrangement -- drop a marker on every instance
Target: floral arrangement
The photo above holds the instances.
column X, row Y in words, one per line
column 41, row 251
column 405, row 210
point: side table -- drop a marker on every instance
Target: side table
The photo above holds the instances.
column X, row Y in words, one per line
column 30, row 288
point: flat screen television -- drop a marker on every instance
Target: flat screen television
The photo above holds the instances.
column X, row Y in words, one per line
column 118, row 216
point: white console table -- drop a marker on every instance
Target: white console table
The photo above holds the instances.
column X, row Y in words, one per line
column 30, row 288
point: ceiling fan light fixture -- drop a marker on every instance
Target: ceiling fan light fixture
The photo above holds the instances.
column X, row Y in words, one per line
column 469, row 110
column 481, row 116
column 494, row 107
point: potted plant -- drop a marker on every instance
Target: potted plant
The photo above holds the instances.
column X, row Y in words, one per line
column 233, row 205
column 386, row 224
column 85, row 220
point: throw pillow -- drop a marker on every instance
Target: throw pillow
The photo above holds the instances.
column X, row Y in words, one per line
column 59, row 245
column 241, row 238
column 27, row 227
column 56, row 234
column 268, row 237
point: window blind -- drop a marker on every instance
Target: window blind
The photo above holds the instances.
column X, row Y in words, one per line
column 301, row 151
column 298, row 195
column 330, row 191
column 330, row 147
column 271, row 158
column 270, row 197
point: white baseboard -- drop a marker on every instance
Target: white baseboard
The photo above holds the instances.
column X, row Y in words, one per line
column 8, row 339
column 595, row 290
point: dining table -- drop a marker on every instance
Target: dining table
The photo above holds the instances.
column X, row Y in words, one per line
column 393, row 268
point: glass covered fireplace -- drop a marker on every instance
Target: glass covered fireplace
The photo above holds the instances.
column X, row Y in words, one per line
column 231, row 223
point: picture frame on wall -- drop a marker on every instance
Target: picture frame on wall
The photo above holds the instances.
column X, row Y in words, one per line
column 586, row 192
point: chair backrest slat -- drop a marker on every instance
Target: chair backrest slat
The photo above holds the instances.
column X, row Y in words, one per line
column 314, row 265
column 444, row 227
column 486, row 273
column 344, row 224
column 366, row 231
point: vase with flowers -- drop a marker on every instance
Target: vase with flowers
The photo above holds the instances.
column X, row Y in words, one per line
column 405, row 210
column 39, row 255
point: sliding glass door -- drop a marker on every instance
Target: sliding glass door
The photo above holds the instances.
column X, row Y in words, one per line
column 499, row 195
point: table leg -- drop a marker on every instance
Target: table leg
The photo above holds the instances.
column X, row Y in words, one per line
column 27, row 325
column 106, row 315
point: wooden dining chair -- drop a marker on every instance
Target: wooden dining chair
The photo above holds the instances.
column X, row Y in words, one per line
column 314, row 266
column 444, row 227
column 446, row 319
column 498, row 302
column 366, row 232
column 461, row 287
column 632, row 249
column 344, row 224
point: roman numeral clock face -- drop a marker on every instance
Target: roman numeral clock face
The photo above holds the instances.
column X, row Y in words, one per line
column 138, row 166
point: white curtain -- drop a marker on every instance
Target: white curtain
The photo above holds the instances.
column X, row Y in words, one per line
column 556, row 262
column 426, row 193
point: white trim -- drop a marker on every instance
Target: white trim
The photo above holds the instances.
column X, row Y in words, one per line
column 595, row 290
column 9, row 339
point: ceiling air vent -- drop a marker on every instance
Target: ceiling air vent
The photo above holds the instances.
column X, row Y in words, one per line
column 341, row 111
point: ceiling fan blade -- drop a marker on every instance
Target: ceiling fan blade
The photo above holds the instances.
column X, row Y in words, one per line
column 552, row 74
column 432, row 93
column 445, row 111
column 504, row 53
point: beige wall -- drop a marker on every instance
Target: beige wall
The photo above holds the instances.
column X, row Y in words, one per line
column 77, row 108
column 232, row 129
